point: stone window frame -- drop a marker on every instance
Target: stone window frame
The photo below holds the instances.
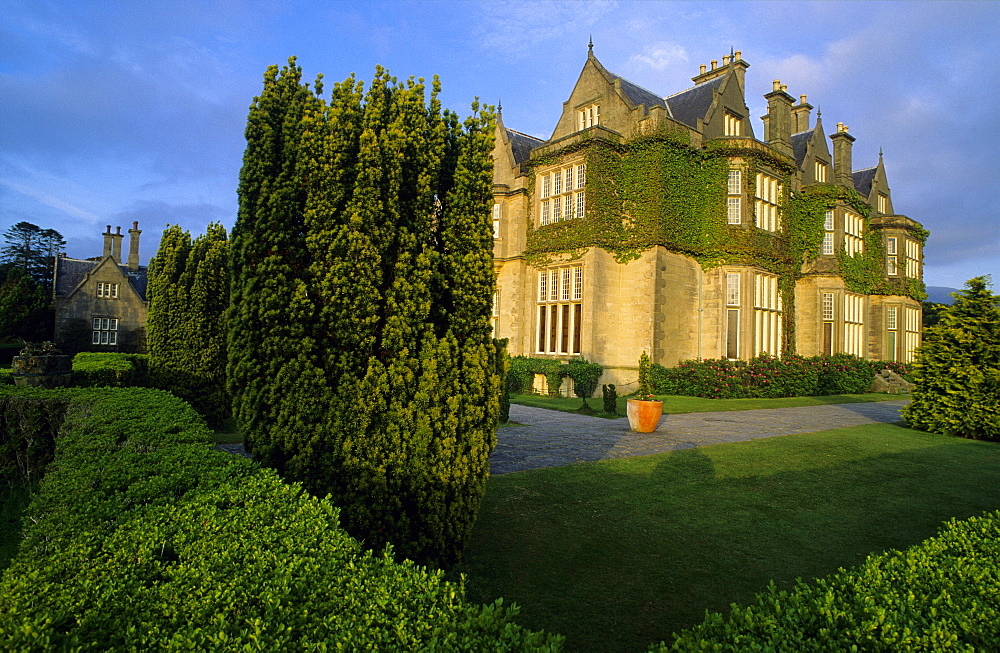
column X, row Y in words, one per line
column 104, row 330
column 107, row 290
column 559, row 310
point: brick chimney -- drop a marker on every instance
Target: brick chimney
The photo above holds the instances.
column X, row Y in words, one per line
column 133, row 247
column 779, row 118
column 842, row 146
column 116, row 245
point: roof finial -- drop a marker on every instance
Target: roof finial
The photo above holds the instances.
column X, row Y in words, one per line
column 590, row 46
column 499, row 105
column 880, row 151
column 732, row 53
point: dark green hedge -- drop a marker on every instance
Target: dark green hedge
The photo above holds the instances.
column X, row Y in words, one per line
column 144, row 538
column 941, row 594
column 5, row 377
column 768, row 377
column 584, row 374
column 110, row 370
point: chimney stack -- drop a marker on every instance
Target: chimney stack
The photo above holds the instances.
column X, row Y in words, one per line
column 133, row 247
column 116, row 245
column 800, row 116
column 108, row 237
column 779, row 118
column 842, row 146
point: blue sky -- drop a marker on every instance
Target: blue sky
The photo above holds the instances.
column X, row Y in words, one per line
column 121, row 111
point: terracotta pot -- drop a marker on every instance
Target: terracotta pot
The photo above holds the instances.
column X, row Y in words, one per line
column 644, row 416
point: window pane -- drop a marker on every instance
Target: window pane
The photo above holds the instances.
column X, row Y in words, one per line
column 113, row 338
column 104, row 324
column 542, row 313
column 114, row 324
column 97, row 324
column 577, row 319
column 96, row 340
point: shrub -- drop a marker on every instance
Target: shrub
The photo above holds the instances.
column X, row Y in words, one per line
column 939, row 594
column 844, row 374
column 585, row 377
column 956, row 373
column 173, row 545
column 5, row 376
column 524, row 369
column 109, row 370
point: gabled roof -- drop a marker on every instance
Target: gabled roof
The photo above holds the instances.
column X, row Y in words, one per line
column 800, row 145
column 521, row 145
column 71, row 271
column 863, row 180
column 690, row 105
column 638, row 95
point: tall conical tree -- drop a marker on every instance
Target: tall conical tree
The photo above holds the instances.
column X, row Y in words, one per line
column 188, row 299
column 957, row 369
column 388, row 392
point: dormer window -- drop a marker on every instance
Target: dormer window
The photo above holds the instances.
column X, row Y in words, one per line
column 819, row 172
column 588, row 116
column 883, row 203
column 733, row 124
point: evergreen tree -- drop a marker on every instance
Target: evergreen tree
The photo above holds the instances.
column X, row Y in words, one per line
column 188, row 298
column 957, row 368
column 25, row 307
column 385, row 390
column 32, row 249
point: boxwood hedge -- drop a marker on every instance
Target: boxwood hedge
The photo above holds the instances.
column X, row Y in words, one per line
column 941, row 594
column 143, row 537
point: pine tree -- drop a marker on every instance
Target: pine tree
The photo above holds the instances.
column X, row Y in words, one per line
column 386, row 392
column 188, row 297
column 32, row 249
column 957, row 368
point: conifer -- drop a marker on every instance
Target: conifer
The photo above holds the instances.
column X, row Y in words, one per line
column 386, row 395
column 957, row 368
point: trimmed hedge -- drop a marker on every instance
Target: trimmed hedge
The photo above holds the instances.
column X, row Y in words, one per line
column 142, row 537
column 5, row 376
column 768, row 377
column 939, row 594
column 523, row 369
column 110, row 370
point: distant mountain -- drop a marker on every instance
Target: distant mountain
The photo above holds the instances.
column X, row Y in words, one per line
column 940, row 294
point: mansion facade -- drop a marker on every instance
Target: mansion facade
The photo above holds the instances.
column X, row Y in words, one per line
column 663, row 224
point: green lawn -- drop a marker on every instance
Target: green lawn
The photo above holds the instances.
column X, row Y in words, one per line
column 676, row 404
column 621, row 553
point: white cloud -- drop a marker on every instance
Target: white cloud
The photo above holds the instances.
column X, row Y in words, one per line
column 660, row 55
column 51, row 201
column 525, row 27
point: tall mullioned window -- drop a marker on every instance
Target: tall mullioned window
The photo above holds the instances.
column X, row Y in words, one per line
column 733, row 301
column 827, row 316
column 819, row 172
column 733, row 125
column 891, row 260
column 854, row 324
column 562, row 194
column 853, row 234
column 496, row 220
column 735, row 213
column 911, row 336
column 828, row 234
column 912, row 259
column 560, row 310
column 892, row 332
column 767, row 315
column 768, row 196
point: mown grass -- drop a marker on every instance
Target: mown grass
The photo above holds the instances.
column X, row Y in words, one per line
column 621, row 553
column 676, row 404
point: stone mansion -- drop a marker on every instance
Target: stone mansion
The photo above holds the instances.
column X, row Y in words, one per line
column 663, row 224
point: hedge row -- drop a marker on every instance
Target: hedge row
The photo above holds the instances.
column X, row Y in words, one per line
column 585, row 375
column 769, row 377
column 940, row 594
column 142, row 537
column 93, row 370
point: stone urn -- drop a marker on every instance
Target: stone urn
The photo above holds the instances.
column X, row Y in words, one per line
column 42, row 366
column 644, row 416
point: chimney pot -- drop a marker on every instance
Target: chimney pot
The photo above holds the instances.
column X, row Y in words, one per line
column 715, row 63
column 739, row 55
column 118, row 231
column 109, row 230
column 802, row 98
column 776, row 83
column 725, row 60
column 784, row 87
column 135, row 224
column 701, row 69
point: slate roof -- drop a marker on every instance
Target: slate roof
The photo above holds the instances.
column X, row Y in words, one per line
column 800, row 143
column 863, row 180
column 690, row 105
column 522, row 144
column 71, row 271
column 638, row 95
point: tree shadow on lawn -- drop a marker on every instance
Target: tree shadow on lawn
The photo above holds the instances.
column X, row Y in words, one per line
column 621, row 553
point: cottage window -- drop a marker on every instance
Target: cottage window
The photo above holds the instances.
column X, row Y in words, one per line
column 107, row 290
column 105, row 331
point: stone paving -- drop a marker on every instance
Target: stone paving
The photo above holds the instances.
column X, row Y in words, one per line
column 547, row 438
